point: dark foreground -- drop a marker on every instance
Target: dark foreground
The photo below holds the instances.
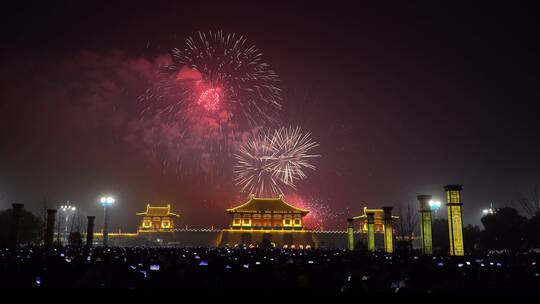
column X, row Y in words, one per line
column 314, row 271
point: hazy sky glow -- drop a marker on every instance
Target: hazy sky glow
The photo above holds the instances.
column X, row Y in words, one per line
column 401, row 100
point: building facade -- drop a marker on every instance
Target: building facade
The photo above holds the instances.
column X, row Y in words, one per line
column 157, row 219
column 267, row 214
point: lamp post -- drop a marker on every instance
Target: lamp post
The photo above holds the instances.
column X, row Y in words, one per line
column 434, row 206
column 490, row 210
column 69, row 211
column 106, row 201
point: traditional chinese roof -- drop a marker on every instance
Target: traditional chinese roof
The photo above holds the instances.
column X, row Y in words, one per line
column 267, row 205
column 378, row 214
column 158, row 211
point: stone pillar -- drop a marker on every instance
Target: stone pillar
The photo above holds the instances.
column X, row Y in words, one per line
column 455, row 221
column 90, row 231
column 350, row 234
column 388, row 230
column 49, row 228
column 371, row 231
column 16, row 224
column 425, row 223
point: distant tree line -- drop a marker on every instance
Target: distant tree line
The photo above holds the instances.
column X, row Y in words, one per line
column 505, row 230
column 30, row 227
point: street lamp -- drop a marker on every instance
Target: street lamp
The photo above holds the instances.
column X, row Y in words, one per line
column 434, row 206
column 106, row 201
column 69, row 211
column 490, row 210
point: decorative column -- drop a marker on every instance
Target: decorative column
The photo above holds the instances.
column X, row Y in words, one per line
column 425, row 223
column 90, row 231
column 455, row 221
column 49, row 228
column 15, row 224
column 371, row 230
column 350, row 234
column 388, row 230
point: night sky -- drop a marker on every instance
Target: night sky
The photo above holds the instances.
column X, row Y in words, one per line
column 402, row 99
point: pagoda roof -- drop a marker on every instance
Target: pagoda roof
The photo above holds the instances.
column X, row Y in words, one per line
column 158, row 211
column 377, row 212
column 267, row 205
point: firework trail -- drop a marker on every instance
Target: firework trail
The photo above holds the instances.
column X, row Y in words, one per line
column 268, row 162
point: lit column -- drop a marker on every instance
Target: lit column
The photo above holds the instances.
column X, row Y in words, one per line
column 425, row 223
column 49, row 229
column 90, row 231
column 371, row 230
column 388, row 230
column 455, row 222
column 350, row 234
column 106, row 202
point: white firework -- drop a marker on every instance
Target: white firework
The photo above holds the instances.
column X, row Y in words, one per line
column 270, row 162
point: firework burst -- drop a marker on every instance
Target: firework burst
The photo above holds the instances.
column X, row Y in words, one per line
column 214, row 71
column 216, row 89
column 320, row 216
column 268, row 162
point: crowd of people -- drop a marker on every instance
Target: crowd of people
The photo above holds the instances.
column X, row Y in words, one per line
column 314, row 271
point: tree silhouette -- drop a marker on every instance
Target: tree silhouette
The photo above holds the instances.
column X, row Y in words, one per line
column 532, row 231
column 441, row 242
column 406, row 227
column 530, row 203
column 472, row 239
column 29, row 229
column 504, row 230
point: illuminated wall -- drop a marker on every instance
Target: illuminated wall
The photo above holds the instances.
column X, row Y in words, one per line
column 388, row 230
column 425, row 223
column 455, row 222
column 371, row 230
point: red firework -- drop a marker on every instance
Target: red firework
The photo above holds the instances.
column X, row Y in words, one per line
column 210, row 99
column 320, row 215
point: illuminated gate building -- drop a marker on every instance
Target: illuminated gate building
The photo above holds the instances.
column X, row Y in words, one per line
column 267, row 214
column 157, row 219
